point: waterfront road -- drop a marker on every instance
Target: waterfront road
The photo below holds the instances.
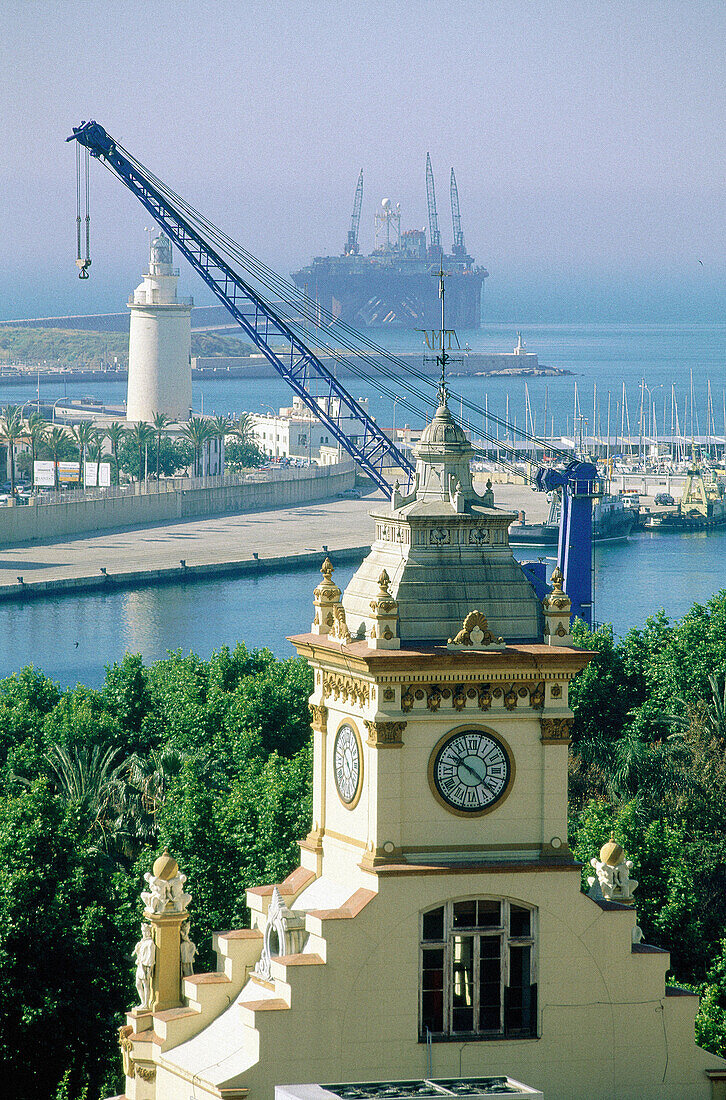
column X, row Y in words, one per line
column 207, row 544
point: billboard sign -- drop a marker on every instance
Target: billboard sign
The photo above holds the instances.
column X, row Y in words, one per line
column 44, row 473
column 104, row 475
column 69, row 473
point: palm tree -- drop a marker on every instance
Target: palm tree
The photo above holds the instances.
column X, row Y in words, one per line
column 11, row 428
column 160, row 421
column 36, row 429
column 242, row 429
column 82, row 434
column 221, row 427
column 57, row 440
column 96, row 450
column 197, row 432
column 87, row 777
column 141, row 435
column 116, row 433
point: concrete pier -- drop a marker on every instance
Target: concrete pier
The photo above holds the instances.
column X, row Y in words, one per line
column 279, row 538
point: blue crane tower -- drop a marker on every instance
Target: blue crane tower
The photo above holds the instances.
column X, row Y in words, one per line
column 215, row 256
column 351, row 243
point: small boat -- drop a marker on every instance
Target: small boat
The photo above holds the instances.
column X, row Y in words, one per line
column 613, row 517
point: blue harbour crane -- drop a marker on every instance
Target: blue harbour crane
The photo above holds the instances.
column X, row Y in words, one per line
column 218, row 260
column 351, row 244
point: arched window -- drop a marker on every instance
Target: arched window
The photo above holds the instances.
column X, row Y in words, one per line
column 478, row 970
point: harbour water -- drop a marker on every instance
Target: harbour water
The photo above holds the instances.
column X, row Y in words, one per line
column 73, row 638
column 600, row 356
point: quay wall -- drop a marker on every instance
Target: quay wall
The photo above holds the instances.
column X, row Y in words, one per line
column 47, row 522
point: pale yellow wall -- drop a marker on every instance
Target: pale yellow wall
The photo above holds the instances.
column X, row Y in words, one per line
column 602, row 1009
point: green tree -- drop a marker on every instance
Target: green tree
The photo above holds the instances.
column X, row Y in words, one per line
column 197, row 432
column 116, row 433
column 83, row 435
column 173, row 456
column 241, row 456
column 37, row 429
column 64, row 967
column 221, row 427
column 160, row 421
column 140, row 437
column 11, row 430
column 58, row 445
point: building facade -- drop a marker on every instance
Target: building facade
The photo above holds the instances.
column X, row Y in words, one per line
column 436, row 925
column 295, row 433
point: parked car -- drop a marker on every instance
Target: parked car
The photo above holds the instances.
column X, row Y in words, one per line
column 664, row 498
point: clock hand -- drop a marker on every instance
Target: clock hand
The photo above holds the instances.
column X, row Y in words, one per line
column 472, row 771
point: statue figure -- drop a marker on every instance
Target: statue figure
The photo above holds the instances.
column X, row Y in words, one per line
column 612, row 880
column 187, row 951
column 178, row 899
column 159, row 893
column 145, row 952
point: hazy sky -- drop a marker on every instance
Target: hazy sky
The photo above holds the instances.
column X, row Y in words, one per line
column 588, row 140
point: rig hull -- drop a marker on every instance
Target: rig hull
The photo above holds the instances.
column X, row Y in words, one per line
column 370, row 294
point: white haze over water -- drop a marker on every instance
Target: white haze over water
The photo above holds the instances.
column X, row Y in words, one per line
column 588, row 141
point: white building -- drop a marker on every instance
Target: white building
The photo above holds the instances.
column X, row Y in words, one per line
column 160, row 337
column 295, row 433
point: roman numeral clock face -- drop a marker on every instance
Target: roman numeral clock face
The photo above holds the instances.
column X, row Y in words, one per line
column 348, row 765
column 470, row 772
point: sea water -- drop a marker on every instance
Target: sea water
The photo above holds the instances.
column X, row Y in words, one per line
column 72, row 638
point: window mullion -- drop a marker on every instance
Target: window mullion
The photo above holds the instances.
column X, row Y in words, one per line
column 477, row 983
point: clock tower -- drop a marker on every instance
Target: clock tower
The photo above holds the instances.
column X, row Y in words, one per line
column 436, row 928
column 440, row 700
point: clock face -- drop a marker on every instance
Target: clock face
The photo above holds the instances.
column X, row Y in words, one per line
column 470, row 771
column 348, row 765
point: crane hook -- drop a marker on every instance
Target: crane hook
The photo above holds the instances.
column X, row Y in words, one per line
column 81, row 263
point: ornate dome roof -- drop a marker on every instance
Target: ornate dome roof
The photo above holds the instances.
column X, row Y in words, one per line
column 443, row 431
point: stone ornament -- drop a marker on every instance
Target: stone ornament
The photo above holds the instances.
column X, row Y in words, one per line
column 475, row 634
column 126, row 1047
column 612, row 881
column 383, row 633
column 187, row 951
column 165, row 953
column 556, row 731
column 284, row 934
column 325, row 600
column 145, row 952
column 339, row 630
column 318, row 717
column 557, row 608
column 346, row 688
column 385, row 733
column 164, row 895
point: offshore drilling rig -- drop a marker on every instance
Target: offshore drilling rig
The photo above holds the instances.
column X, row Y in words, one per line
column 392, row 286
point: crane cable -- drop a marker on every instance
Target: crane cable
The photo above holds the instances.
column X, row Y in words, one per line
column 83, row 262
column 312, row 311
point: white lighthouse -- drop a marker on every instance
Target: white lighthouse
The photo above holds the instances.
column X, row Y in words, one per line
column 160, row 373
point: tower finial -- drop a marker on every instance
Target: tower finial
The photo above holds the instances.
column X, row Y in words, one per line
column 443, row 358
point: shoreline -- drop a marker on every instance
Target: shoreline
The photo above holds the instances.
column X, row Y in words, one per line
column 178, row 574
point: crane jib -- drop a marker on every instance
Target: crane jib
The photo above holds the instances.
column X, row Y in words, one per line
column 349, row 423
column 367, row 444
